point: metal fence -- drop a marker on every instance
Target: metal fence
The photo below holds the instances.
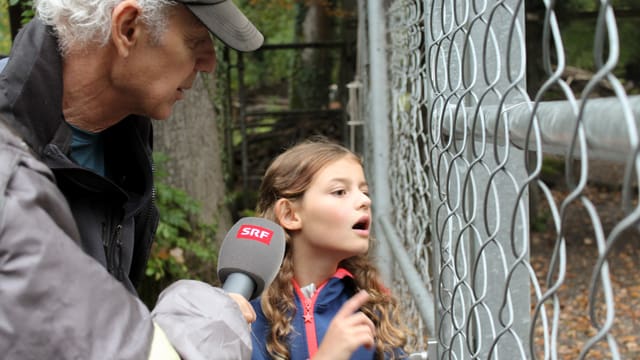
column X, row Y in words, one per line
column 506, row 221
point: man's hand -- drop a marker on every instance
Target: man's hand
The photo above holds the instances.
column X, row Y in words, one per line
column 245, row 307
column 348, row 330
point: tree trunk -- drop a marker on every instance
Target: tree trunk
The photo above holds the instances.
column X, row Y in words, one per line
column 191, row 140
column 312, row 67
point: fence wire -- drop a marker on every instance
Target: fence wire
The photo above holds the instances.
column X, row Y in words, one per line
column 518, row 214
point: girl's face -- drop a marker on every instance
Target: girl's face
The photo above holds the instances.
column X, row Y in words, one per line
column 335, row 212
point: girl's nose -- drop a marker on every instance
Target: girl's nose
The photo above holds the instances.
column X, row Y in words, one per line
column 364, row 201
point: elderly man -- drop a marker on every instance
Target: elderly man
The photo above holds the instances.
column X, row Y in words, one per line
column 77, row 213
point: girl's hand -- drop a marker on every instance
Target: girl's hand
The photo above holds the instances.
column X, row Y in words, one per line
column 348, row 330
column 245, row 307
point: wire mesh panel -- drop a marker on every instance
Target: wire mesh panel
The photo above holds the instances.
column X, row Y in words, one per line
column 516, row 206
column 410, row 181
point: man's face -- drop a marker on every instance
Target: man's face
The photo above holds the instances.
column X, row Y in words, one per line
column 158, row 73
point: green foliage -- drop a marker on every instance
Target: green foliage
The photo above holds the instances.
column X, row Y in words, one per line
column 5, row 31
column 578, row 33
column 275, row 20
column 590, row 5
column 5, row 27
column 579, row 37
column 27, row 12
column 552, row 167
column 183, row 247
column 540, row 220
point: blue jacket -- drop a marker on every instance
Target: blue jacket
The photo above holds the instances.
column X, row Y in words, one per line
column 311, row 321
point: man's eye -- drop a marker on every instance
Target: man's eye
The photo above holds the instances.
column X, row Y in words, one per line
column 193, row 43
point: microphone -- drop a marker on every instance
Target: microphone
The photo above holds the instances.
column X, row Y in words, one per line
column 250, row 256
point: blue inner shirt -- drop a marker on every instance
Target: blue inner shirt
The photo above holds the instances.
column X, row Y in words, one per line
column 87, row 149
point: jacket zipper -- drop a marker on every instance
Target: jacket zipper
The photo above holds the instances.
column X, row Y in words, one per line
column 106, row 245
column 118, row 258
column 116, row 242
column 309, row 319
column 310, row 326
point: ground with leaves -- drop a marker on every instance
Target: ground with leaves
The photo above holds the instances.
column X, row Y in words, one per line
column 575, row 326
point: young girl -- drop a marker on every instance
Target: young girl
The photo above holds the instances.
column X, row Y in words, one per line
column 327, row 301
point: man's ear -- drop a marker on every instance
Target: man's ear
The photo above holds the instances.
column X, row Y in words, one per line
column 286, row 214
column 125, row 27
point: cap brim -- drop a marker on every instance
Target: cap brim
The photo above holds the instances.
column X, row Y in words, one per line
column 228, row 23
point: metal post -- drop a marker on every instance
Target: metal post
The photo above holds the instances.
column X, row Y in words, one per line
column 243, row 130
column 379, row 128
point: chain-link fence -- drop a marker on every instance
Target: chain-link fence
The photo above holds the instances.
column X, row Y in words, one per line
column 504, row 177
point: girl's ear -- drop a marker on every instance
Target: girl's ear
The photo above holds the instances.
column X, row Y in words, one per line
column 287, row 215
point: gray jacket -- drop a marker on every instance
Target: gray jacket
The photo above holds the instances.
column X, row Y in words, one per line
column 56, row 302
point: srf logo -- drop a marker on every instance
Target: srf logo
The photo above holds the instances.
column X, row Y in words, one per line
column 256, row 233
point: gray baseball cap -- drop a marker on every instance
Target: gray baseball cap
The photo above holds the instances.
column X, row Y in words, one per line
column 226, row 22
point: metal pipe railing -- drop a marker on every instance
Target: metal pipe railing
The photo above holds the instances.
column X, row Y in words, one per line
column 422, row 297
column 605, row 122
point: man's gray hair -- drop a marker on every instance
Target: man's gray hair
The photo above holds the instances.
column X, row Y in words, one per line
column 80, row 23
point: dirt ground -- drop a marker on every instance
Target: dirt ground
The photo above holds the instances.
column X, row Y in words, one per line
column 576, row 326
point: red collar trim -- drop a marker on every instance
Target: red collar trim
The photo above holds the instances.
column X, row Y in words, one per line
column 341, row 273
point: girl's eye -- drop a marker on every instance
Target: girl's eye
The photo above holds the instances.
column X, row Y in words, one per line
column 339, row 192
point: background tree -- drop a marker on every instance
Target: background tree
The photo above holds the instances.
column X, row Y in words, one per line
column 193, row 144
column 312, row 66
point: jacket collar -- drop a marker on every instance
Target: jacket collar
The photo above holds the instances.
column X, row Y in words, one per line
column 337, row 278
column 31, row 83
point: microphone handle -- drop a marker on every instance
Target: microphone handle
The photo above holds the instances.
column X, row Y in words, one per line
column 239, row 283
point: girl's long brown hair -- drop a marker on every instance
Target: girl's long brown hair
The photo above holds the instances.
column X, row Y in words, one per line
column 289, row 176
